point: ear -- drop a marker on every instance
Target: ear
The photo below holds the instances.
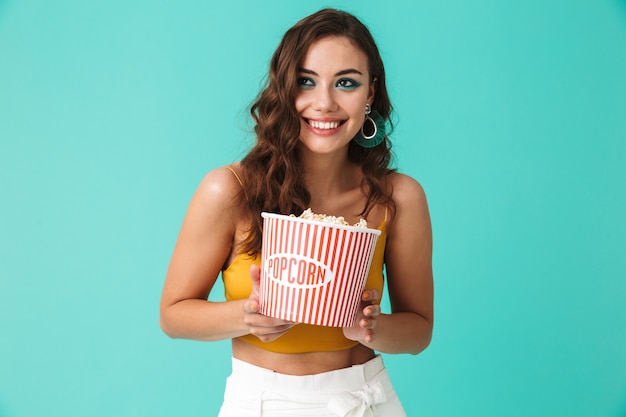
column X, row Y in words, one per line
column 372, row 90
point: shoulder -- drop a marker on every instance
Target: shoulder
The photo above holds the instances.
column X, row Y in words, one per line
column 411, row 206
column 406, row 189
column 218, row 196
column 216, row 207
column 221, row 184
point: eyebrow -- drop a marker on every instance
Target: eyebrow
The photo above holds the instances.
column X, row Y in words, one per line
column 342, row 72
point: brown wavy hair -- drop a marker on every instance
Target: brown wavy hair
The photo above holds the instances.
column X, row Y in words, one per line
column 271, row 171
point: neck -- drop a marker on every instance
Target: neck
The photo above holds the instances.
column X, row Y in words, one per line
column 328, row 176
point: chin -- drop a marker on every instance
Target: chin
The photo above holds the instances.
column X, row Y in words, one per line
column 323, row 146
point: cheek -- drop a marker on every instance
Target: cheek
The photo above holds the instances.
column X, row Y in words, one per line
column 357, row 111
column 300, row 102
column 356, row 106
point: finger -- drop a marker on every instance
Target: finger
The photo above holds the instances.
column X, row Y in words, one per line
column 368, row 323
column 270, row 323
column 371, row 295
column 372, row 311
column 255, row 276
column 251, row 306
column 270, row 333
column 270, row 336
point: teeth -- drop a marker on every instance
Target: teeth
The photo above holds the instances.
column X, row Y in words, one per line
column 323, row 125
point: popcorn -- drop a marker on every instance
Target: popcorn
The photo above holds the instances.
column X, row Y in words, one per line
column 309, row 215
column 314, row 272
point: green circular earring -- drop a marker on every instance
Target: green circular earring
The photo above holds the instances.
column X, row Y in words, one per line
column 373, row 131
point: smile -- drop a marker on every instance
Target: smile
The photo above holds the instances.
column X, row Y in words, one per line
column 324, row 125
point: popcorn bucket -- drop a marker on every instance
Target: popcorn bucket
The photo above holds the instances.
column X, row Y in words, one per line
column 314, row 272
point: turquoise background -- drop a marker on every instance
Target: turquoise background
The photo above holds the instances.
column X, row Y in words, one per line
column 511, row 114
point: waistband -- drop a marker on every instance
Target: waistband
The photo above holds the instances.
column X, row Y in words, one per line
column 332, row 381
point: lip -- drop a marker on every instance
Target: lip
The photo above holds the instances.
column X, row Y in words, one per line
column 326, row 130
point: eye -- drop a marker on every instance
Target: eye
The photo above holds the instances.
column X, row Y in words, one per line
column 348, row 83
column 306, row 82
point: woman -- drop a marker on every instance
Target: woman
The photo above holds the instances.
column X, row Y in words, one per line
column 315, row 122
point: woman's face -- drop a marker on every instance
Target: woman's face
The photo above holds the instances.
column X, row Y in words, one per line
column 333, row 88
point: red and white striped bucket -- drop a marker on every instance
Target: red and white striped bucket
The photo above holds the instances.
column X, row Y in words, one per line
column 314, row 272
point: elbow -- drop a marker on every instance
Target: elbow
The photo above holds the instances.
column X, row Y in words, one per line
column 424, row 336
column 165, row 329
column 166, row 326
column 422, row 344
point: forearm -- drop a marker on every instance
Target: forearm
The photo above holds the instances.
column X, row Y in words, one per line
column 401, row 332
column 204, row 320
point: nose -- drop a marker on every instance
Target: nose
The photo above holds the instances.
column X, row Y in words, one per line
column 324, row 100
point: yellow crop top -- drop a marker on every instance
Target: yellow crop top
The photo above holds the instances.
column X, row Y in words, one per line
column 301, row 337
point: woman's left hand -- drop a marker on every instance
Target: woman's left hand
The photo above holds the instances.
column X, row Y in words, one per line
column 363, row 329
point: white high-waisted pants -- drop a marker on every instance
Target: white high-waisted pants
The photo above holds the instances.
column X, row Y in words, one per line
column 359, row 391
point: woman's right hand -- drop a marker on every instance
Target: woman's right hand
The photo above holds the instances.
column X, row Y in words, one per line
column 264, row 327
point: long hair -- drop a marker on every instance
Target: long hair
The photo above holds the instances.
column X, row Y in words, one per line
column 270, row 171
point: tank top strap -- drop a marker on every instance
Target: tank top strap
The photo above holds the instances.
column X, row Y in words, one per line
column 240, row 182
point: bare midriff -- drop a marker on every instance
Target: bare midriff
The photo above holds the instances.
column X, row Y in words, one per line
column 308, row 363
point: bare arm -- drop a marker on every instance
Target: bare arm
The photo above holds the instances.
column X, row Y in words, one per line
column 408, row 258
column 204, row 245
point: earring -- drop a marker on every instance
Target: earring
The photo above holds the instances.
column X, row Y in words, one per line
column 373, row 131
